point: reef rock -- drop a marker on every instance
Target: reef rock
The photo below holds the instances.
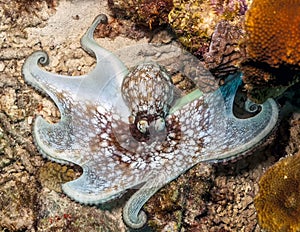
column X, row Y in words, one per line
column 148, row 12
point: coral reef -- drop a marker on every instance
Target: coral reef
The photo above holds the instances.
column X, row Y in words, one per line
column 15, row 17
column 278, row 200
column 225, row 51
column 273, row 48
column 210, row 198
column 194, row 21
column 18, row 185
column 147, row 12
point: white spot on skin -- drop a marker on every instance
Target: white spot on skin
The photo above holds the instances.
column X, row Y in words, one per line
column 101, row 110
column 189, row 133
column 125, row 159
column 104, row 143
column 134, row 165
column 104, row 136
column 142, row 165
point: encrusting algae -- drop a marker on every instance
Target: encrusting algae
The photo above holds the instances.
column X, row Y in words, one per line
column 273, row 48
column 52, row 175
column 278, row 200
column 147, row 12
column 194, row 21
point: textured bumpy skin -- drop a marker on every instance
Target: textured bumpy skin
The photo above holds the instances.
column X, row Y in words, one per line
column 148, row 88
column 148, row 92
column 93, row 131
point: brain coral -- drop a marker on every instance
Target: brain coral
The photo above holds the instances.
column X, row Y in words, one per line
column 273, row 28
column 273, row 47
column 278, row 200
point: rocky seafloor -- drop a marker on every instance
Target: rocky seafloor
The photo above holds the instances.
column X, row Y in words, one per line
column 217, row 197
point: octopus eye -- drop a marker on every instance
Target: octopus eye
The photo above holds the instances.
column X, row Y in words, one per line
column 142, row 126
column 159, row 124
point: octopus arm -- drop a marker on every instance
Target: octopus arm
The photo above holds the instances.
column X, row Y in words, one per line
column 91, row 189
column 241, row 135
column 108, row 65
column 223, row 134
column 48, row 83
column 230, row 136
column 55, row 141
column 133, row 215
column 251, row 132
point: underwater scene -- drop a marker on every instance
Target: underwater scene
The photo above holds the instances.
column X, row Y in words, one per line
column 150, row 115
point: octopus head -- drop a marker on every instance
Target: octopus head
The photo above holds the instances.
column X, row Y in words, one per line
column 148, row 92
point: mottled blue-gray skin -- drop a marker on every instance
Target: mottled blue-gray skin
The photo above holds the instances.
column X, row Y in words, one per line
column 94, row 129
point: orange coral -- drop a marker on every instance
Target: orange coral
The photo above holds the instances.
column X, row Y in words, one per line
column 273, row 48
column 273, row 28
column 278, row 201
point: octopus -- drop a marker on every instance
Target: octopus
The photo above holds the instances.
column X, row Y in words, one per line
column 126, row 127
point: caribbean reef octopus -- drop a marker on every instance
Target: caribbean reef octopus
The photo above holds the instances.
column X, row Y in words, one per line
column 130, row 129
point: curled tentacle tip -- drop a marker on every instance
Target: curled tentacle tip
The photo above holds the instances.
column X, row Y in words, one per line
column 140, row 221
column 101, row 18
